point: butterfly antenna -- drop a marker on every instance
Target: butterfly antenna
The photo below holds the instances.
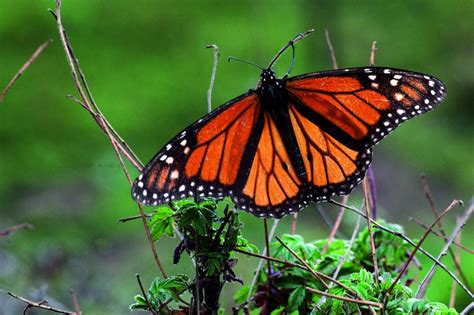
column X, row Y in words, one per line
column 244, row 61
column 291, row 43
column 292, row 60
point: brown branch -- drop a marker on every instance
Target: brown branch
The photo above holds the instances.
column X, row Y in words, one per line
column 338, row 222
column 88, row 101
column 75, row 302
column 260, row 263
column 213, row 76
column 456, row 243
column 294, row 221
column 400, row 274
column 14, row 228
column 331, row 49
column 409, row 241
column 462, row 222
column 373, row 50
column 369, row 226
column 23, row 68
column 452, row 298
column 269, row 266
column 277, row 260
column 343, row 298
column 42, row 305
column 296, row 39
column 145, row 296
column 430, row 199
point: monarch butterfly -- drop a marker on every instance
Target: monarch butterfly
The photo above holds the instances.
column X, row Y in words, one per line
column 290, row 141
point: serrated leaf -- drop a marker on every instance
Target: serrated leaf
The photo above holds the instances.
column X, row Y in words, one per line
column 296, row 299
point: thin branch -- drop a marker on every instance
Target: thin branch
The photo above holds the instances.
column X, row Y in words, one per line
column 400, row 274
column 344, row 257
column 75, row 302
column 457, row 256
column 468, row 309
column 42, row 305
column 331, row 49
column 86, row 96
column 373, row 50
column 269, row 266
column 260, row 263
column 23, row 68
column 371, row 234
column 277, row 260
column 14, row 228
column 343, row 298
column 296, row 39
column 430, row 199
column 145, row 296
column 408, row 240
column 337, row 224
column 458, row 244
column 303, row 262
column 462, row 222
column 213, row 76
column 327, row 220
column 294, row 221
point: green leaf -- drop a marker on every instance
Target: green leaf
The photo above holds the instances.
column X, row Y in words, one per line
column 296, row 299
column 162, row 223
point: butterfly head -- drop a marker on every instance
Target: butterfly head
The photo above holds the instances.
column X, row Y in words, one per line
column 269, row 81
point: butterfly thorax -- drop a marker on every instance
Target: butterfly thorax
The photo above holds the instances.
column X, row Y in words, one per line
column 274, row 100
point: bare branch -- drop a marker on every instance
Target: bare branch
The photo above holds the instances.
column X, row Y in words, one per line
column 408, row 240
column 213, row 76
column 457, row 256
column 302, row 261
column 77, row 308
column 400, row 274
column 296, row 39
column 371, row 234
column 23, row 68
column 145, row 296
column 42, row 305
column 338, row 222
column 88, row 101
column 343, row 298
column 15, row 228
column 462, row 222
column 373, row 50
column 260, row 263
column 458, row 244
column 331, row 49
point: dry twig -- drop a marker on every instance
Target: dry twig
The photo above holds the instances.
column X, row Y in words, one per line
column 343, row 298
column 400, row 274
column 23, row 68
column 42, row 305
column 75, row 302
column 213, row 76
column 424, row 283
column 411, row 242
column 14, row 228
column 117, row 142
column 452, row 298
column 371, row 234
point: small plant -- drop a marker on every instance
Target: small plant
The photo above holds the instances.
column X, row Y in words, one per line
column 210, row 240
column 296, row 290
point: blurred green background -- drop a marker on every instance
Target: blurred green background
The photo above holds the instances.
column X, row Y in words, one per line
column 148, row 69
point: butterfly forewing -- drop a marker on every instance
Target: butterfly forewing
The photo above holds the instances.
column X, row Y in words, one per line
column 335, row 117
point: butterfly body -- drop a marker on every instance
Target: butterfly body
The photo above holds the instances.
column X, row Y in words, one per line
column 289, row 142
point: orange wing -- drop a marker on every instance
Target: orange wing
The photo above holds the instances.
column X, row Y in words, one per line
column 206, row 158
column 359, row 107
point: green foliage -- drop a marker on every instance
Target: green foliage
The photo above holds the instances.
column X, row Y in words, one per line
column 210, row 239
column 289, row 283
column 160, row 291
column 392, row 251
column 162, row 223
